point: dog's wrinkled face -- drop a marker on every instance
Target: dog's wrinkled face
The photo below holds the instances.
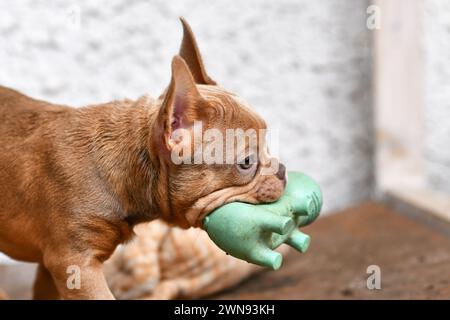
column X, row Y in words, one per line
column 214, row 144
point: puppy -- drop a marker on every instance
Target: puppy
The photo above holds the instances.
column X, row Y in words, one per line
column 75, row 181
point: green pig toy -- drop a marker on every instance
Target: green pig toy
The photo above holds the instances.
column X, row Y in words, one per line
column 251, row 232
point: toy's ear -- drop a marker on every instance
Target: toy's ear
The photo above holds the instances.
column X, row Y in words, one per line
column 178, row 109
column 190, row 53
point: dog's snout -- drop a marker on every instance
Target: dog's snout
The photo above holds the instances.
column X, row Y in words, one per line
column 281, row 174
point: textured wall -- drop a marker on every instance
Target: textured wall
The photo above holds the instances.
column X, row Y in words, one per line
column 437, row 93
column 304, row 65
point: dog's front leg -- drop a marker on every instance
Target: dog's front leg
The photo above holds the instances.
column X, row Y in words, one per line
column 78, row 276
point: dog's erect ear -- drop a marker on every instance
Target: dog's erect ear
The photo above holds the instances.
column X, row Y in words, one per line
column 190, row 53
column 178, row 109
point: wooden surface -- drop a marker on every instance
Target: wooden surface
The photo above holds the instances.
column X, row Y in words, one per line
column 414, row 261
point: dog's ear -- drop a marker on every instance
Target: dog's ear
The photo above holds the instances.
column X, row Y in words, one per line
column 178, row 109
column 190, row 53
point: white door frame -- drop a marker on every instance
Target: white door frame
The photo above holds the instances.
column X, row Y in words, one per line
column 399, row 108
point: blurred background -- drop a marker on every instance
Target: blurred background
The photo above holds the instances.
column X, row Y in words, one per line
column 308, row 67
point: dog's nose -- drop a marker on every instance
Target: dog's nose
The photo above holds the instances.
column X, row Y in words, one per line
column 281, row 174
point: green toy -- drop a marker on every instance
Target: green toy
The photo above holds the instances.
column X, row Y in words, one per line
column 251, row 232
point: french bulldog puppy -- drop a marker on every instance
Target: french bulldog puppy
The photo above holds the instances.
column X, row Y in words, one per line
column 75, row 181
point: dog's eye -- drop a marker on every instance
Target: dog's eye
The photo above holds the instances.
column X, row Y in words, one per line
column 246, row 164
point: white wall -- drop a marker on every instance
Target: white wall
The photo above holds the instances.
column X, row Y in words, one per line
column 304, row 65
column 437, row 93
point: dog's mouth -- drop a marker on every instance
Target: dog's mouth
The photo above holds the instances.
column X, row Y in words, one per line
column 207, row 204
column 249, row 193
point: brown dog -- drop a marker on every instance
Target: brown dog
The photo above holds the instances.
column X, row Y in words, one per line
column 74, row 182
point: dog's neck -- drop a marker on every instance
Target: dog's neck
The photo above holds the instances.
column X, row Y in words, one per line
column 127, row 159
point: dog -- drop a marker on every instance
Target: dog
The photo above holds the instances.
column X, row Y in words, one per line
column 75, row 181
